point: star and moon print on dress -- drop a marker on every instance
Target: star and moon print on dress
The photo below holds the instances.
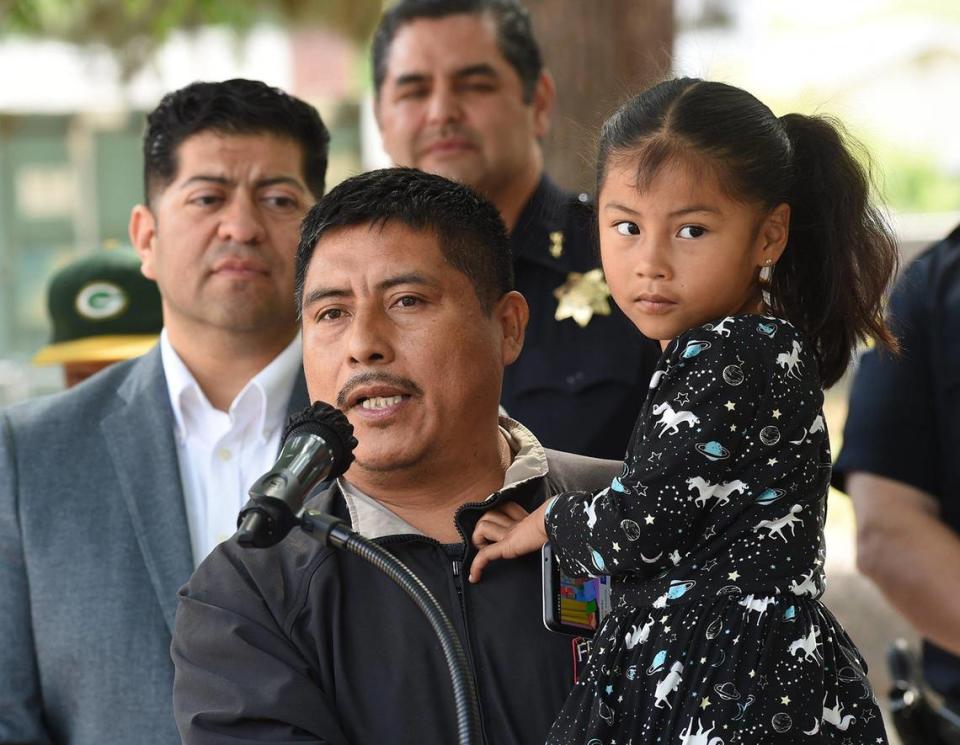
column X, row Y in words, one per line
column 714, row 536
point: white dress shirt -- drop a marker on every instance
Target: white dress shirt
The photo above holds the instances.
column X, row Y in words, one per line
column 222, row 453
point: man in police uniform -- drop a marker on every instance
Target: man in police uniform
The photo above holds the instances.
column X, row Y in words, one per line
column 899, row 461
column 461, row 91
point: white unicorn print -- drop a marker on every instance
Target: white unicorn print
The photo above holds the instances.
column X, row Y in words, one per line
column 833, row 716
column 701, row 737
column 638, row 635
column 666, row 686
column 776, row 526
column 671, row 420
column 720, row 492
column 757, row 604
column 805, row 587
column 817, row 426
column 721, row 327
column 808, row 645
column 591, row 509
column 790, row 362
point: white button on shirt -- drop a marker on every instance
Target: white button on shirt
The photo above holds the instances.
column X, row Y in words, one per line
column 222, row 453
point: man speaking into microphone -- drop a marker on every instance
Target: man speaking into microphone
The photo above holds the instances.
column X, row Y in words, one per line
column 404, row 282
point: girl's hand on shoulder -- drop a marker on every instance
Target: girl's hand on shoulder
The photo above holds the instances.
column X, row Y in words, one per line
column 495, row 523
column 506, row 532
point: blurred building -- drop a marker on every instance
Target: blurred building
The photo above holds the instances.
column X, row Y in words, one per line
column 70, row 162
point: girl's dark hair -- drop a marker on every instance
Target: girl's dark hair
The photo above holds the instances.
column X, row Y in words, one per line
column 840, row 255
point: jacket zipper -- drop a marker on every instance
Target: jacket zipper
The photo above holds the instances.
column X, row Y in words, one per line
column 457, row 567
column 468, row 648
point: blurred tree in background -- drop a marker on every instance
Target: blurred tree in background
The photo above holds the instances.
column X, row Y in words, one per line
column 598, row 52
column 134, row 29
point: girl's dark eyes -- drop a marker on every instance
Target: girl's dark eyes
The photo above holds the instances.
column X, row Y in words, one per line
column 692, row 231
column 625, row 227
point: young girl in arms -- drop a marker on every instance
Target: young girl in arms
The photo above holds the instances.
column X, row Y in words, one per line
column 747, row 244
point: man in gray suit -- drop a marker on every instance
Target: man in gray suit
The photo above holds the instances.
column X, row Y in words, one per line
column 112, row 493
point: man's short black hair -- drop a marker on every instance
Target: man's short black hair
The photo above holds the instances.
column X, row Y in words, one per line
column 231, row 107
column 514, row 34
column 469, row 230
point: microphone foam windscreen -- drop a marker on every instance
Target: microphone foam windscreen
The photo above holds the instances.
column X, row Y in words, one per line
column 329, row 423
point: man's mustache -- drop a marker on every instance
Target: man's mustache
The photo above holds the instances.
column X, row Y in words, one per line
column 371, row 378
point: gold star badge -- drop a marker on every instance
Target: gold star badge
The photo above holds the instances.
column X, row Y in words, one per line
column 556, row 244
column 581, row 296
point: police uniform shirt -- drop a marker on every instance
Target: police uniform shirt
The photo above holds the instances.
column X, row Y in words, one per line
column 904, row 418
column 583, row 373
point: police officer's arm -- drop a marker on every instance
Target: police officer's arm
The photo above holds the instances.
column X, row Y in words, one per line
column 892, row 463
column 912, row 556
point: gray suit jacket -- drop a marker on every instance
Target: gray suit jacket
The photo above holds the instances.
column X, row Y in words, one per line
column 94, row 545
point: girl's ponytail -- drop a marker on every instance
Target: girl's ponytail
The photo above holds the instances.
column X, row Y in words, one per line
column 830, row 281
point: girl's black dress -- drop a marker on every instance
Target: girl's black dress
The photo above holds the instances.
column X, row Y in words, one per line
column 714, row 536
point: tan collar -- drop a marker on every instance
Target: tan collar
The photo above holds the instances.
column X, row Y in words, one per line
column 372, row 520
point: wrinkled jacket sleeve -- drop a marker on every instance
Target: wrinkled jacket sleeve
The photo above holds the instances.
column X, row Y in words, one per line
column 21, row 714
column 698, row 426
column 239, row 678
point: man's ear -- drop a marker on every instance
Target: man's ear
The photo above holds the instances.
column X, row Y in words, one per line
column 513, row 313
column 544, row 97
column 773, row 234
column 143, row 232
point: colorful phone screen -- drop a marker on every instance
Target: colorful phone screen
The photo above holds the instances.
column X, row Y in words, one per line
column 584, row 601
column 572, row 605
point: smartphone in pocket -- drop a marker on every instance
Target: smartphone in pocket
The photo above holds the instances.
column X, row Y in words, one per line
column 572, row 605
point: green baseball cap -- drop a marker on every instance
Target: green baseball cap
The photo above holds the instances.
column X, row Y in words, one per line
column 103, row 309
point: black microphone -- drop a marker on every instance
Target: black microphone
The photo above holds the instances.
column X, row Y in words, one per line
column 318, row 444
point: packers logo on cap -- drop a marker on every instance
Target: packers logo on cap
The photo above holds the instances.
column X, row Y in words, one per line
column 103, row 309
column 101, row 300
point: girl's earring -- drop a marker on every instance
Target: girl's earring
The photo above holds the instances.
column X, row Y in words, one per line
column 765, row 273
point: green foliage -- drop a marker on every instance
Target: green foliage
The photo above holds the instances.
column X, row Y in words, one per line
column 913, row 182
column 133, row 29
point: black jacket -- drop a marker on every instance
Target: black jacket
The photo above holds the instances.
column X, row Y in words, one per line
column 300, row 643
column 578, row 389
